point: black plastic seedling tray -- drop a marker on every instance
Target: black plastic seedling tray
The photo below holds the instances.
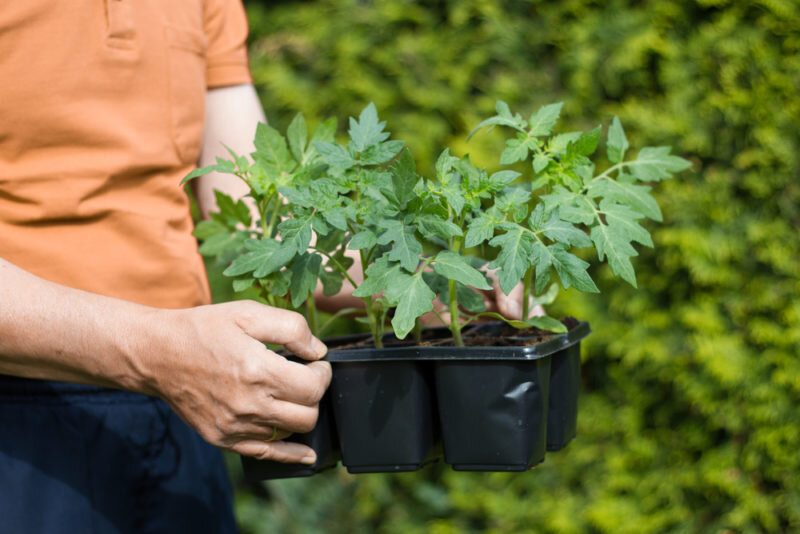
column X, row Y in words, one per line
column 399, row 408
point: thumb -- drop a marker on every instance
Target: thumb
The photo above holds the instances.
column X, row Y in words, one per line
column 281, row 327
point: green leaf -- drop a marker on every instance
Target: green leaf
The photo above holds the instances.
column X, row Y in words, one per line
column 406, row 249
column 325, row 131
column 587, row 143
column 542, row 259
column 571, row 207
column 296, row 234
column 206, row 229
column 502, row 179
column 367, row 130
column 454, row 195
column 445, row 163
column 202, row 171
column 241, row 284
column 280, row 257
column 558, row 143
column 413, row 297
column 512, row 199
column 547, row 298
column 617, row 142
column 614, row 243
column 381, row 153
column 545, row 323
column 220, row 243
column 260, row 252
column 431, row 225
column 231, row 212
column 558, row 230
column 334, row 155
column 271, row 151
column 298, row 197
column 623, row 220
column 456, row 267
column 330, row 242
column 654, row 164
column 277, row 283
column 637, row 197
column 378, row 277
column 305, row 274
column 240, row 161
column 363, row 240
column 297, row 134
column 226, row 166
column 468, row 298
column 571, row 270
column 319, row 225
column 515, row 249
column 404, row 179
column 332, row 281
column 516, row 150
column 336, row 217
column 503, row 118
column 480, row 229
column 542, row 122
column 540, row 163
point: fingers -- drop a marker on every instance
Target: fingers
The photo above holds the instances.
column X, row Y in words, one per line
column 304, row 384
column 510, row 305
column 253, row 432
column 279, row 451
column 538, row 311
column 282, row 327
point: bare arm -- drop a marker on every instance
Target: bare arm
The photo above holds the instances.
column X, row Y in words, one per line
column 208, row 363
column 232, row 114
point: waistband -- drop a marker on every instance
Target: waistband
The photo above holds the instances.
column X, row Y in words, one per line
column 18, row 389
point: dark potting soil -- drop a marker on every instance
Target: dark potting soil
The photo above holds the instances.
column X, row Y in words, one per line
column 477, row 335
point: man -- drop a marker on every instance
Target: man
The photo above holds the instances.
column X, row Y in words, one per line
column 108, row 343
column 101, row 115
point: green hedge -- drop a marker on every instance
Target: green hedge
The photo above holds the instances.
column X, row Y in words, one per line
column 689, row 410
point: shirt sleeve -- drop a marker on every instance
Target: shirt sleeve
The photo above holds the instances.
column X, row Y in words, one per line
column 225, row 25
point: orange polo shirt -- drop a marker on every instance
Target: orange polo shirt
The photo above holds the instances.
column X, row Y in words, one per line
column 101, row 115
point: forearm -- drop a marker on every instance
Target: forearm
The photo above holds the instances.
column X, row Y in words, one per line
column 50, row 331
column 232, row 114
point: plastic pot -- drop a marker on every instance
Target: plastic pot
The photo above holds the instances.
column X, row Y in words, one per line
column 385, row 414
column 493, row 404
column 562, row 413
column 494, row 413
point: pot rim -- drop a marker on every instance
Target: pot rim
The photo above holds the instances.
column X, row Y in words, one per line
column 422, row 353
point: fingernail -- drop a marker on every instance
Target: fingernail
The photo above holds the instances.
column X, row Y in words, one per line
column 308, row 460
column 318, row 347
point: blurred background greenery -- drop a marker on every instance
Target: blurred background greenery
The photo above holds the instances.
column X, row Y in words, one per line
column 689, row 409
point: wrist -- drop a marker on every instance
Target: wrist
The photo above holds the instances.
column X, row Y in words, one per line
column 145, row 349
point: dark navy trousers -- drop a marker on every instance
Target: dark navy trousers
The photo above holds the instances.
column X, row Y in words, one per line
column 79, row 459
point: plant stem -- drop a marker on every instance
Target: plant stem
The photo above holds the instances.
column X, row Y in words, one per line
column 274, row 218
column 263, row 213
column 526, row 294
column 417, row 330
column 377, row 336
column 337, row 265
column 455, row 328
